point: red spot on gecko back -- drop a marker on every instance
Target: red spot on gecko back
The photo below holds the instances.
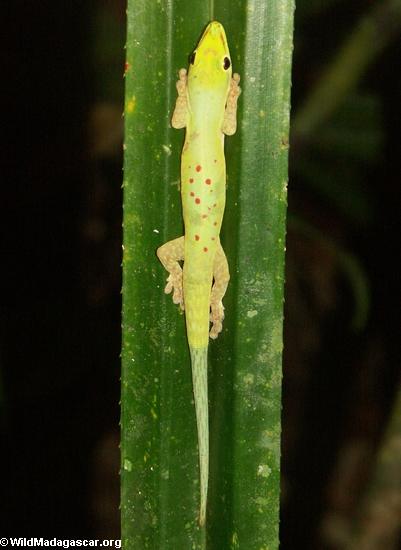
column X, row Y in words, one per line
column 197, row 200
column 191, row 180
column 196, row 237
column 204, row 216
column 208, row 181
column 192, row 194
column 127, row 67
column 198, row 168
column 205, row 249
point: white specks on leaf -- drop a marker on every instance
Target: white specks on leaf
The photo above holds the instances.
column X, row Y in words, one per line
column 261, row 501
column 127, row 465
column 234, row 540
column 284, row 189
column 249, row 379
column 264, row 470
column 251, row 313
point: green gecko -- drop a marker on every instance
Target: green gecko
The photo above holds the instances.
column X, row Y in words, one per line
column 207, row 107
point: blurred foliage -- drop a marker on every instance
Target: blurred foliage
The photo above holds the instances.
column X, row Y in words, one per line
column 335, row 161
column 337, row 132
column 338, row 382
column 108, row 36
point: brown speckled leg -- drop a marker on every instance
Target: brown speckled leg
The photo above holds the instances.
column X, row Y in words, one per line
column 221, row 276
column 179, row 118
column 230, row 114
column 170, row 254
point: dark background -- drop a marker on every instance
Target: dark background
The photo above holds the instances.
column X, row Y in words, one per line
column 61, row 202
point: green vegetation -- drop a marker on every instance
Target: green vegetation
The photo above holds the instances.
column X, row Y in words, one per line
column 160, row 488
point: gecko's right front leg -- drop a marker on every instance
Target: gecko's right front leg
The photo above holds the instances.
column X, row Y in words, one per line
column 170, row 254
column 179, row 119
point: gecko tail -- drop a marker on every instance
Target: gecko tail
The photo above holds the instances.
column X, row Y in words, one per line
column 199, row 380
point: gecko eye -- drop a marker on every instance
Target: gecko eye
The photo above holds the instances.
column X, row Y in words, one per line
column 227, row 63
column 192, row 58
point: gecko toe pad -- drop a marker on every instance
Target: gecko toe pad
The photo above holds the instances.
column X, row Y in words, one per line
column 174, row 284
column 216, row 317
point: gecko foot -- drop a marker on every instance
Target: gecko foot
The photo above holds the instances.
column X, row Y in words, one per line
column 230, row 115
column 216, row 317
column 182, row 82
column 235, row 90
column 174, row 283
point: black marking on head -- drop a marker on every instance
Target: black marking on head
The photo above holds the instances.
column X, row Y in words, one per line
column 226, row 63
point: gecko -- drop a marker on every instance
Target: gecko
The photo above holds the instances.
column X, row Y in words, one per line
column 206, row 107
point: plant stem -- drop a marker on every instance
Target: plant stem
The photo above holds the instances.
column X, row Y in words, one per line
column 160, row 472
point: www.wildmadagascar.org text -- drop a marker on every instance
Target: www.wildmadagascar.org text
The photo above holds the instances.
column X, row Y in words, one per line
column 59, row 543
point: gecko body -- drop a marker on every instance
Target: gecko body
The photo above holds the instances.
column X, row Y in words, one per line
column 206, row 107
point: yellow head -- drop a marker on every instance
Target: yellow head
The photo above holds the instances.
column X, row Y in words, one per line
column 210, row 63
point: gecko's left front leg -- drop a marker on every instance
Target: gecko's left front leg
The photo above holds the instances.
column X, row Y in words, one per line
column 170, row 254
column 230, row 115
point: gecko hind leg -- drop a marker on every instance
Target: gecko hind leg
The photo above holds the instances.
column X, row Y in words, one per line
column 221, row 276
column 170, row 254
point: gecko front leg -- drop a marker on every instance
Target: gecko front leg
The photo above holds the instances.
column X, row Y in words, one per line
column 170, row 254
column 221, row 276
column 230, row 114
column 179, row 118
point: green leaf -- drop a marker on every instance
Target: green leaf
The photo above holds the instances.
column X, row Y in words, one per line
column 160, row 474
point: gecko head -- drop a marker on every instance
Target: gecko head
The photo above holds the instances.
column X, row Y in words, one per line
column 210, row 63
